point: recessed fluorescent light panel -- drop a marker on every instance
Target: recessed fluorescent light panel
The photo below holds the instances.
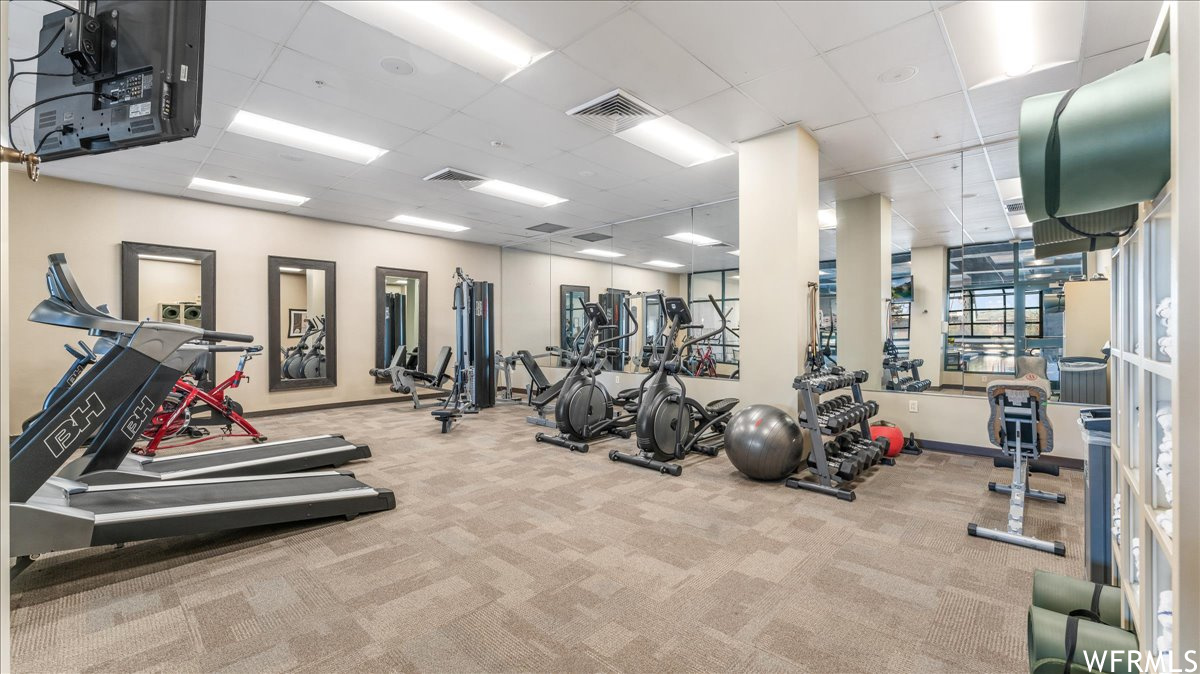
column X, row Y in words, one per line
column 671, row 139
column 291, row 270
column 232, row 190
column 827, row 218
column 664, row 264
column 694, row 239
column 737, row 252
column 414, row 221
column 461, row 32
column 1000, row 40
column 303, row 138
column 167, row 258
column 524, row 195
column 599, row 252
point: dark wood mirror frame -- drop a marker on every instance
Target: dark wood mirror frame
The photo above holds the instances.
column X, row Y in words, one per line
column 381, row 276
column 131, row 252
column 277, row 382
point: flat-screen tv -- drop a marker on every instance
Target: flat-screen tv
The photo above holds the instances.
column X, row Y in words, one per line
column 902, row 289
column 122, row 73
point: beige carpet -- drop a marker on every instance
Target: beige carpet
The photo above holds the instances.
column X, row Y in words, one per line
column 507, row 555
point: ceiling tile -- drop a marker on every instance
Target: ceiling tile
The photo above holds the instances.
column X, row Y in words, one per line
column 857, row 145
column 931, row 125
column 584, row 171
column 1110, row 62
column 808, row 93
column 434, row 79
column 225, row 87
column 829, row 24
column 555, row 24
column 288, row 106
column 270, row 19
column 559, row 82
column 523, row 146
column 998, row 106
column 979, row 34
column 235, row 50
column 625, row 158
column 517, row 116
column 917, row 43
column 893, row 182
column 1113, row 25
column 640, row 58
column 425, row 154
column 841, row 188
column 740, row 41
column 727, row 117
column 299, row 74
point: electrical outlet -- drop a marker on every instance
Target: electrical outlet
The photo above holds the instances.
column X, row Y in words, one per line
column 617, row 379
column 912, row 406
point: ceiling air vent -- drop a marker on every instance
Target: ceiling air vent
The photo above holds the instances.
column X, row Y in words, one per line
column 1014, row 207
column 614, row 112
column 547, row 228
column 592, row 237
column 450, row 175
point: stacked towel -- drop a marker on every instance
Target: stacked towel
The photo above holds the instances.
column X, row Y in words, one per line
column 1166, row 522
column 1135, row 553
column 1116, row 517
column 1163, row 460
column 1166, row 616
column 1166, row 343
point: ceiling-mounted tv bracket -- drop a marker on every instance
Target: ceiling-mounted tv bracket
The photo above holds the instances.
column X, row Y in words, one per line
column 90, row 43
column 31, row 161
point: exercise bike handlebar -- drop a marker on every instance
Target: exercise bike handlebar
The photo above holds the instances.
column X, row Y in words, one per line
column 214, row 336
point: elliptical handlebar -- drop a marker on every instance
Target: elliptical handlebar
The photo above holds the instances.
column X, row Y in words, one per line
column 707, row 335
column 627, row 335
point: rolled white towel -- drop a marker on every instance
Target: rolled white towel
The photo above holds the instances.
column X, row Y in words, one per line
column 1167, row 346
column 1163, row 644
column 1164, row 460
column 1166, row 608
column 1166, row 522
column 1135, row 553
column 1163, row 417
column 1163, row 310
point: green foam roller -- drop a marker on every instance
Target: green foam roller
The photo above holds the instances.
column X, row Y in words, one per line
column 1063, row 594
column 1048, row 651
column 1115, row 140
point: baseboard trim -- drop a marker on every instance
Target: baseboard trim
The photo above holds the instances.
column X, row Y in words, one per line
column 972, row 450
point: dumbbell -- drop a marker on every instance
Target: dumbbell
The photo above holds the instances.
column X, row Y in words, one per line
column 845, row 466
column 827, row 406
column 854, row 443
column 834, row 422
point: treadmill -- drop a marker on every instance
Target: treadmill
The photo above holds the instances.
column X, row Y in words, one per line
column 109, row 459
column 49, row 513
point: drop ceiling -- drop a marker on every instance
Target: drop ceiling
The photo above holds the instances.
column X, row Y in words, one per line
column 732, row 70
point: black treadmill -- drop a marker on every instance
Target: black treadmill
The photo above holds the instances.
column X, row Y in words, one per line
column 49, row 513
column 109, row 460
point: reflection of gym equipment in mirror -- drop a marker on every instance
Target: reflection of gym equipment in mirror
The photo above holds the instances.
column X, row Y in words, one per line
column 401, row 310
column 572, row 318
column 302, row 293
column 1020, row 427
column 670, row 425
column 902, row 374
column 407, row 379
column 474, row 367
column 585, row 411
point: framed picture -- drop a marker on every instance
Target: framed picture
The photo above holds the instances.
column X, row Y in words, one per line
column 296, row 319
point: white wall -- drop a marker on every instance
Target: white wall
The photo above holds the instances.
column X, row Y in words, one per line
column 44, row 220
column 928, row 310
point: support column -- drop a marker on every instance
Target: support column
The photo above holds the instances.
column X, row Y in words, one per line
column 777, row 176
column 864, row 281
column 928, row 311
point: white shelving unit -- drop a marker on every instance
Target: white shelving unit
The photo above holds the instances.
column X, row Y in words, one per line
column 1158, row 260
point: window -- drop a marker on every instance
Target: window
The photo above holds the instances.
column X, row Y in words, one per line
column 724, row 287
column 991, row 312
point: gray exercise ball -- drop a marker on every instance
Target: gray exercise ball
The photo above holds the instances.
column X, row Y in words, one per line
column 765, row 443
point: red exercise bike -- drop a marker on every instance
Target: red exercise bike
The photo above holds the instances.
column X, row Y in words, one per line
column 177, row 415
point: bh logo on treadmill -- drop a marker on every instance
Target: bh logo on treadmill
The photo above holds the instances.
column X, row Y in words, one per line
column 133, row 425
column 73, row 428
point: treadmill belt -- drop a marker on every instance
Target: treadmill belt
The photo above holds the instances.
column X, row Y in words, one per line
column 168, row 495
column 204, row 460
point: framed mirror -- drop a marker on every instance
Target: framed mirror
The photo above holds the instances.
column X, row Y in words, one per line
column 302, row 301
column 401, row 302
column 171, row 284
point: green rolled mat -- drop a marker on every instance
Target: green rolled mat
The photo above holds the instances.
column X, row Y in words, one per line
column 1115, row 139
column 1063, row 594
column 1048, row 650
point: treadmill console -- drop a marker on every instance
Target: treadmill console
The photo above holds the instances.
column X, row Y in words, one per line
column 596, row 313
column 677, row 310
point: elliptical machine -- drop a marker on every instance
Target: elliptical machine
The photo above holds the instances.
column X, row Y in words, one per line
column 670, row 425
column 585, row 411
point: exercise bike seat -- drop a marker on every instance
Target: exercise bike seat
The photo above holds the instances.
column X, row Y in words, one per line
column 720, row 406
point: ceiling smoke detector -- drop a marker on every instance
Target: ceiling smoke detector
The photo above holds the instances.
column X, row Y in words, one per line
column 898, row 75
column 614, row 112
column 397, row 66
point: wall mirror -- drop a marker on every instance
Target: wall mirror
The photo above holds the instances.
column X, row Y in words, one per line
column 302, row 301
column 962, row 291
column 572, row 319
column 401, row 326
column 172, row 284
column 527, row 297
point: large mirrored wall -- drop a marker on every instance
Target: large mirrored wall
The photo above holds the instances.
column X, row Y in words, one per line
column 968, row 294
column 627, row 268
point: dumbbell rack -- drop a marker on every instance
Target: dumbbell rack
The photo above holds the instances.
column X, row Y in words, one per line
column 810, row 389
